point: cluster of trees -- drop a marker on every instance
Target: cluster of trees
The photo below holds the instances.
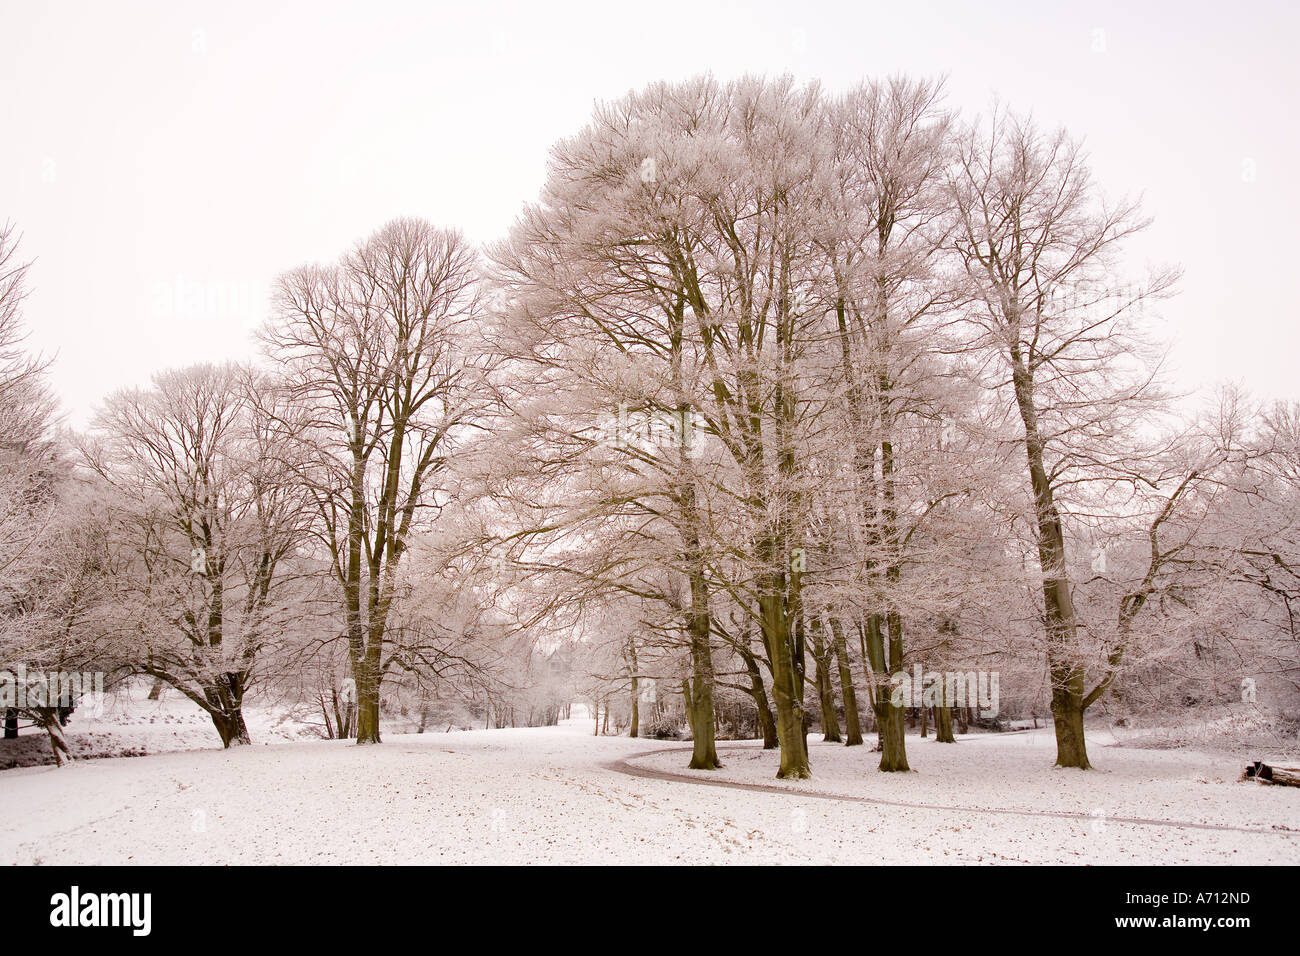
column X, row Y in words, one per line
column 880, row 394
column 247, row 526
column 768, row 377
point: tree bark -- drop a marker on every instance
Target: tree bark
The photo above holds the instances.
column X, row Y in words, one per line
column 634, row 725
column 47, row 719
column 1066, row 670
column 943, row 725
column 852, row 724
column 704, row 753
column 766, row 722
column 231, row 727
column 825, row 688
column 699, row 624
column 367, row 677
column 890, row 728
column 786, row 692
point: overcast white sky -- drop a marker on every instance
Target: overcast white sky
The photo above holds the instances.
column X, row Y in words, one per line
column 165, row 161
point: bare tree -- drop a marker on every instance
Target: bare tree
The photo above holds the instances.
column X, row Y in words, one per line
column 383, row 374
column 32, row 482
column 210, row 520
column 886, row 227
column 1041, row 251
column 675, row 237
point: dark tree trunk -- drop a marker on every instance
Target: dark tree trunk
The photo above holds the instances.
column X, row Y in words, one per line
column 825, row 688
column 367, row 700
column 786, row 685
column 766, row 722
column 231, row 727
column 943, row 725
column 325, row 713
column 852, row 725
column 704, row 753
column 890, row 728
column 1067, row 673
column 1067, row 719
column 344, row 715
column 699, row 624
column 634, row 726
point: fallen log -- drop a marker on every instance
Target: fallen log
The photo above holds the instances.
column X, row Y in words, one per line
column 1279, row 773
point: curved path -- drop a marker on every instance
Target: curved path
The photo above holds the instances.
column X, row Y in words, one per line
column 629, row 766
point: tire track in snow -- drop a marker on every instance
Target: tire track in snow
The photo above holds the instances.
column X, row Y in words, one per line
column 627, row 767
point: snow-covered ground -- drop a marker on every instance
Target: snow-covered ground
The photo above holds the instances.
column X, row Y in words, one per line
column 560, row 795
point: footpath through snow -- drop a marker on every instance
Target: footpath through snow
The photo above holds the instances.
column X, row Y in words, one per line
column 556, row 795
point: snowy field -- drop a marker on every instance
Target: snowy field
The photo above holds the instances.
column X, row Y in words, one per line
column 560, row 795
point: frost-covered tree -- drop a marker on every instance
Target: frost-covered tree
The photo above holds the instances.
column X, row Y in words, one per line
column 206, row 523
column 383, row 368
column 1053, row 311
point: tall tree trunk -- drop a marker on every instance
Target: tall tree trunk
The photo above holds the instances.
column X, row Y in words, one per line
column 634, row 726
column 1064, row 666
column 852, row 725
column 890, row 727
column 766, row 722
column 943, row 712
column 699, row 624
column 704, row 753
column 368, row 676
column 879, row 660
column 825, row 687
column 897, row 760
column 781, row 593
column 786, row 690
